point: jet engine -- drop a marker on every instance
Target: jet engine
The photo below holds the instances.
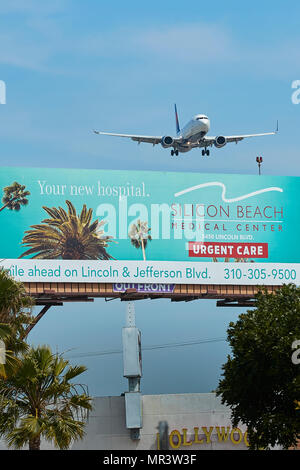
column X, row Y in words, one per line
column 220, row 141
column 167, row 141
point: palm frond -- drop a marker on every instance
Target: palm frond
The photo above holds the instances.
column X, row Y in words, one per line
column 66, row 235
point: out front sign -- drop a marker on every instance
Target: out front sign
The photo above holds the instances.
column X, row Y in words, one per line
column 149, row 227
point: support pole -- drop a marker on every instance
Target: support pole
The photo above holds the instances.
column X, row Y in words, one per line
column 130, row 315
column 36, row 320
column 132, row 361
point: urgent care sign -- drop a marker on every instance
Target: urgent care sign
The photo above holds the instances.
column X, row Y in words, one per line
column 228, row 250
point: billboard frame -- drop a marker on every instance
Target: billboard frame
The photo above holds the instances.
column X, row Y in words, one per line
column 49, row 295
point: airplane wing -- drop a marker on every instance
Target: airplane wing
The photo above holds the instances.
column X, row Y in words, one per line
column 238, row 138
column 138, row 138
column 206, row 141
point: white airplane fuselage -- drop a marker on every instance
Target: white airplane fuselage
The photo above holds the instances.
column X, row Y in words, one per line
column 193, row 131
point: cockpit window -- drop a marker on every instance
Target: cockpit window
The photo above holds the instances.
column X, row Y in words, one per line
column 201, row 117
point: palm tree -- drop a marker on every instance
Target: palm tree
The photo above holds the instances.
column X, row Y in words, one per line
column 10, row 347
column 13, row 298
column 139, row 236
column 41, row 401
column 15, row 316
column 14, row 197
column 67, row 235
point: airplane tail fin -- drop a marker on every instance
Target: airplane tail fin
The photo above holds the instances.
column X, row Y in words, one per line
column 177, row 120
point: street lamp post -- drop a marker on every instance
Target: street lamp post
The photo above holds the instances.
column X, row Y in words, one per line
column 259, row 162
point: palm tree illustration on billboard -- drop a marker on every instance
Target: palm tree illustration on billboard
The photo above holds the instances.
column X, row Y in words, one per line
column 67, row 235
column 15, row 196
column 139, row 236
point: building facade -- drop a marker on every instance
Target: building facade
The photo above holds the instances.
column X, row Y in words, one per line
column 195, row 422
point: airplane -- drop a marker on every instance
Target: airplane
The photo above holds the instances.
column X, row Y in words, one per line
column 193, row 135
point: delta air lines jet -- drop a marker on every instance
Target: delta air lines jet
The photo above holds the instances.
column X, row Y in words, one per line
column 193, row 135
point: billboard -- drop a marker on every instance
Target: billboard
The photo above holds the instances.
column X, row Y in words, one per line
column 63, row 225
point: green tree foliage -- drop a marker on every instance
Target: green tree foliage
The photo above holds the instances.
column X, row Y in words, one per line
column 67, row 235
column 13, row 298
column 15, row 316
column 15, row 196
column 41, row 400
column 37, row 395
column 261, row 384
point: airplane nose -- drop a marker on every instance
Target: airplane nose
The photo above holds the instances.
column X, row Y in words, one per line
column 207, row 125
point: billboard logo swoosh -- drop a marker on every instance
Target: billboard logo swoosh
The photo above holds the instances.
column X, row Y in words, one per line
column 222, row 185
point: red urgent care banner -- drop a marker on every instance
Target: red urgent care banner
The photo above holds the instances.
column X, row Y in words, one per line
column 228, row 250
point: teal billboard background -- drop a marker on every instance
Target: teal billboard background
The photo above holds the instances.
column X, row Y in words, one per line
column 148, row 188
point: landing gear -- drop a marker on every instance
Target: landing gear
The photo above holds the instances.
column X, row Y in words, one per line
column 174, row 152
column 205, row 152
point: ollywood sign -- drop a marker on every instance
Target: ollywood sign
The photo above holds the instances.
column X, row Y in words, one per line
column 204, row 435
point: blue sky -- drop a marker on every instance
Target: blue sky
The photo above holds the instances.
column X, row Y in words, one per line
column 72, row 66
